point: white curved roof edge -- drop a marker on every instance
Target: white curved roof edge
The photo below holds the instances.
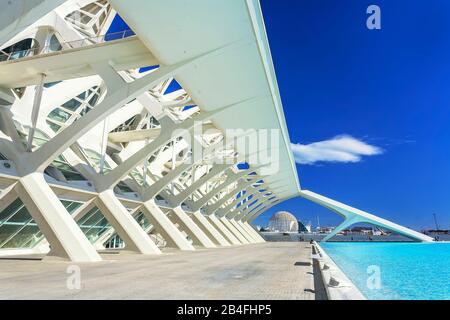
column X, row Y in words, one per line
column 176, row 31
column 266, row 55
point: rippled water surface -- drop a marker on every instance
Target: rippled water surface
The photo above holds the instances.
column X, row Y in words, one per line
column 406, row 270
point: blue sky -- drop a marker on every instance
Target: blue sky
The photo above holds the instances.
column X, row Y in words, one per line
column 387, row 88
column 384, row 94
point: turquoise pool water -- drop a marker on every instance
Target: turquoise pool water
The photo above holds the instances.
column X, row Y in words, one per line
column 406, row 270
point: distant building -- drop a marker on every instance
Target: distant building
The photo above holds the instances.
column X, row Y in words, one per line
column 324, row 229
column 283, row 221
column 304, row 227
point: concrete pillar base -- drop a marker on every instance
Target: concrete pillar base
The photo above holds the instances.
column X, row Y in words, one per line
column 165, row 227
column 55, row 222
column 233, row 230
column 244, row 232
column 223, row 230
column 199, row 237
column 252, row 231
column 136, row 239
column 209, row 229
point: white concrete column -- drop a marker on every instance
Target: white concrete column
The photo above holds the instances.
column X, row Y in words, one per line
column 35, row 112
column 199, row 237
column 223, row 230
column 244, row 232
column 7, row 196
column 246, row 210
column 209, row 229
column 215, row 208
column 230, row 210
column 231, row 178
column 165, row 227
column 136, row 239
column 183, row 195
column 63, row 234
column 258, row 209
column 233, row 230
column 251, row 230
column 119, row 93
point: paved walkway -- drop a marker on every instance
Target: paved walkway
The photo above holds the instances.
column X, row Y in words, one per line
column 270, row 270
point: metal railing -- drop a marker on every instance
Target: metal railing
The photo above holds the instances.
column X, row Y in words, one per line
column 15, row 55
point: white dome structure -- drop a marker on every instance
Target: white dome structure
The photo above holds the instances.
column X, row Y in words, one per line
column 283, row 221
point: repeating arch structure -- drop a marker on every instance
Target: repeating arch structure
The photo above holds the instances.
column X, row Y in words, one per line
column 128, row 140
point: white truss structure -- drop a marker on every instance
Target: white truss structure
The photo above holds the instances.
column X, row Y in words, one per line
column 88, row 155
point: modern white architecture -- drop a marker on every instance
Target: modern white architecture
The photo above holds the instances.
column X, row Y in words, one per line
column 283, row 221
column 127, row 140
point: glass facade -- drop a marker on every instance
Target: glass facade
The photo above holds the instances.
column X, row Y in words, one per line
column 91, row 18
column 66, row 169
column 93, row 224
column 17, row 227
column 19, row 230
column 115, row 242
column 19, row 50
column 69, row 112
column 95, row 160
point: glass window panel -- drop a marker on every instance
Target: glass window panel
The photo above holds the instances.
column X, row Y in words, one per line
column 92, row 8
column 38, row 236
column 51, row 84
column 54, row 44
column 7, row 230
column 22, row 239
column 83, row 96
column 53, row 126
column 11, row 209
column 115, row 242
column 72, row 105
column 68, row 171
column 71, row 206
column 87, row 216
column 143, row 221
column 22, row 216
column 96, row 231
column 123, row 187
column 92, row 217
column 59, row 115
column 93, row 100
column 85, row 110
column 102, row 18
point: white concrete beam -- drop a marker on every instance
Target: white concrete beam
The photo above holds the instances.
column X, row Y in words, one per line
column 244, row 232
column 136, row 239
column 233, row 230
column 209, row 229
column 196, row 233
column 353, row 215
column 63, row 234
column 251, row 230
column 223, row 230
column 165, row 227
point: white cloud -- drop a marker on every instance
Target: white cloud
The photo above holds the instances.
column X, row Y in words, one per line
column 343, row 148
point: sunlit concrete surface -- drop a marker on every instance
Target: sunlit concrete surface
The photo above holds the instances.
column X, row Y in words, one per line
column 256, row 271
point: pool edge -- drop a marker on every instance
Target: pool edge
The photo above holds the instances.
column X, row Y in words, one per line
column 337, row 285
